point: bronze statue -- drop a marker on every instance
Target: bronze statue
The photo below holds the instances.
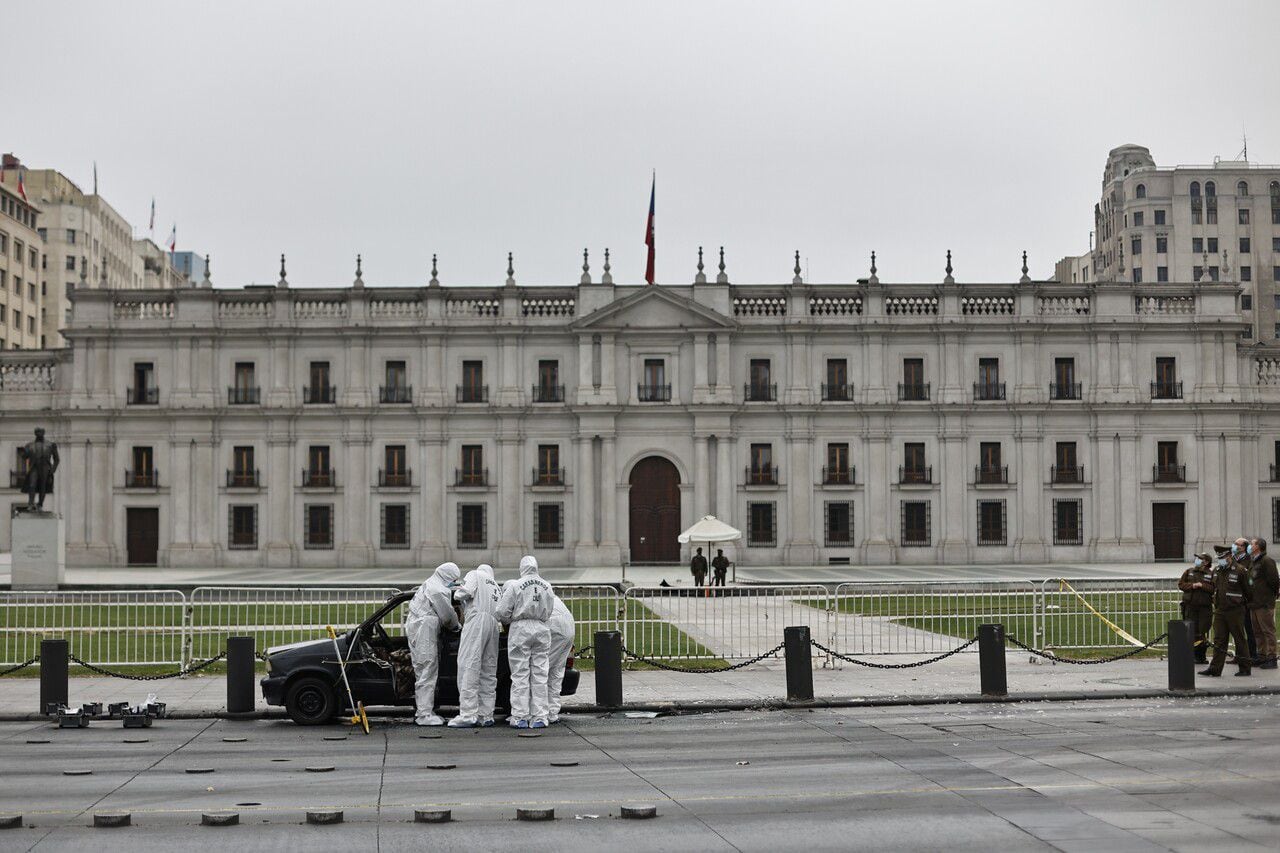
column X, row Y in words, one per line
column 42, row 460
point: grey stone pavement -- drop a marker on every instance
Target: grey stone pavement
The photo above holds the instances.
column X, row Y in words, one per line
column 639, row 575
column 1134, row 775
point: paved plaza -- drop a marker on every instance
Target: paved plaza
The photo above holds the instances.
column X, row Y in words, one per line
column 1195, row 775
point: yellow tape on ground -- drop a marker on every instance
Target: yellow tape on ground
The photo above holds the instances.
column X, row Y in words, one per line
column 1124, row 635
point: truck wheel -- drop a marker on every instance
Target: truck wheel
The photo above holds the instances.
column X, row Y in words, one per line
column 310, row 701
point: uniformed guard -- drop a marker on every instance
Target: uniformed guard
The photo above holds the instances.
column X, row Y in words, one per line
column 1230, row 597
column 1196, row 584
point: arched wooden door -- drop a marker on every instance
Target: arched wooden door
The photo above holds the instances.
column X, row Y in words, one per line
column 655, row 511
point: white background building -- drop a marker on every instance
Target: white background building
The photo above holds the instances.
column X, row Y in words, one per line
column 868, row 423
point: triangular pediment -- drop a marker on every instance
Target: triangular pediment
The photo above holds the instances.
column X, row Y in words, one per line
column 654, row 309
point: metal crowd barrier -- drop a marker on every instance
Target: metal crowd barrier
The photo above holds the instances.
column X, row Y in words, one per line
column 146, row 627
column 595, row 607
column 166, row 628
column 275, row 616
column 926, row 617
column 725, row 623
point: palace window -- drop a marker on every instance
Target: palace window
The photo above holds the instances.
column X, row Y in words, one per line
column 1067, row 527
column 915, row 524
column 319, row 526
column 395, row 526
column 992, row 528
column 548, row 525
column 838, row 523
column 242, row 527
column 472, row 526
column 762, row 527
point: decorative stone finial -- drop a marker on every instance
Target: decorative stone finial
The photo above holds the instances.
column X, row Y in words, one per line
column 1204, row 266
column 104, row 283
column 586, row 269
column 722, row 278
column 207, row 281
column 1026, row 279
column 1226, row 266
column 1121, row 257
column 875, row 279
column 359, row 282
column 701, row 277
column 949, row 279
column 797, row 279
column 284, row 280
column 607, row 278
column 435, row 280
column 511, row 270
column 84, row 273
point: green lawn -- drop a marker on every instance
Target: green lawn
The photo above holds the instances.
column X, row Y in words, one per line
column 1067, row 623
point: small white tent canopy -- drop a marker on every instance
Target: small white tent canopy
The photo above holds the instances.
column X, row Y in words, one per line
column 710, row 529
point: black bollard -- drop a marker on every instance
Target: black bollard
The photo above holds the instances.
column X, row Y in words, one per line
column 1182, row 655
column 795, row 645
column 608, row 651
column 240, row 689
column 53, row 673
column 991, row 660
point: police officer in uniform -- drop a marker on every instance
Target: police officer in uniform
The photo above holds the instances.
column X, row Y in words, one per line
column 1196, row 584
column 1230, row 597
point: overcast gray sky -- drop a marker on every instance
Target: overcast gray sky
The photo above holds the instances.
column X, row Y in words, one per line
column 323, row 129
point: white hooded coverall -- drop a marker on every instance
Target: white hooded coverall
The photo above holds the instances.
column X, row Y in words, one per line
column 561, row 627
column 478, row 648
column 430, row 610
column 525, row 606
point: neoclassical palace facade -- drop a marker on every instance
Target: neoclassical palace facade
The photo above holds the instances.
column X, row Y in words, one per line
column 863, row 423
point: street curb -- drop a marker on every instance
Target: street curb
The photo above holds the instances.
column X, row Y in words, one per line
column 769, row 704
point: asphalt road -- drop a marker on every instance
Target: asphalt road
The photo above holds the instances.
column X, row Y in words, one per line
column 1187, row 774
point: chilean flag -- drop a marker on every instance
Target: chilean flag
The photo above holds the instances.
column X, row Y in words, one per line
column 22, row 191
column 648, row 233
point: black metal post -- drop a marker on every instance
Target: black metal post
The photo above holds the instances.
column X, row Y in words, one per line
column 795, row 640
column 608, row 651
column 240, row 690
column 1182, row 654
column 53, row 672
column 991, row 660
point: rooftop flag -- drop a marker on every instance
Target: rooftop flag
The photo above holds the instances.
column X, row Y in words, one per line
column 173, row 238
column 22, row 188
column 153, row 216
column 648, row 232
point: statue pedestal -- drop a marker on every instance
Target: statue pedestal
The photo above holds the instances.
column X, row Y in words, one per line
column 39, row 550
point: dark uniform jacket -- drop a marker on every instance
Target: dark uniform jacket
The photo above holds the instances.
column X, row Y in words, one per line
column 1197, row 597
column 1265, row 582
column 720, row 564
column 698, row 565
column 1231, row 587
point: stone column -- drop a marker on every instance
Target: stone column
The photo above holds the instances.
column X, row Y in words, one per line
column 954, row 505
column 726, row 496
column 801, row 549
column 356, row 549
column 509, row 393
column 724, row 370
column 700, row 386
column 432, row 478
column 1031, row 503
column 584, row 482
column 608, row 356
column 609, row 499
column 881, row 509
column 510, row 486
column 702, row 484
column 284, row 527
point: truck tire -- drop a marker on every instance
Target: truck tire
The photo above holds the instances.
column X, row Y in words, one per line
column 309, row 701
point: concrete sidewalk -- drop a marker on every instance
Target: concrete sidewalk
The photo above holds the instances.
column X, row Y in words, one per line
column 951, row 680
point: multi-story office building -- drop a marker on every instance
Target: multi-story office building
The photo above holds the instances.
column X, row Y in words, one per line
column 21, row 258
column 861, row 423
column 190, row 266
column 1216, row 222
column 86, row 244
column 154, row 268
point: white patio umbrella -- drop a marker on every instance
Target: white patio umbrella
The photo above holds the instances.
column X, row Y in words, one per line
column 709, row 529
